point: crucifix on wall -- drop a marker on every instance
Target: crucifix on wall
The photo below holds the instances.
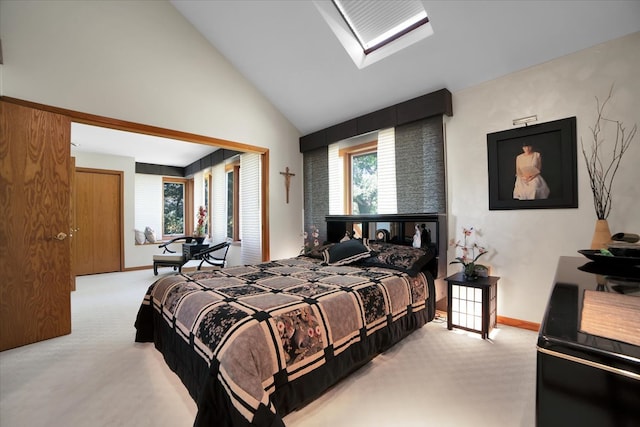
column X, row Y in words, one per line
column 287, row 180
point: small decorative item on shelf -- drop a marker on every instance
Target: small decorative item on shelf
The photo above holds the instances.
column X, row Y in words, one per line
column 602, row 171
column 470, row 269
column 201, row 222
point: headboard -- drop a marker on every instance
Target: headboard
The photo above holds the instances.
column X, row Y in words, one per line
column 394, row 228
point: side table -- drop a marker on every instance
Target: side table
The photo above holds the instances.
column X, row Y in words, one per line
column 472, row 304
column 190, row 249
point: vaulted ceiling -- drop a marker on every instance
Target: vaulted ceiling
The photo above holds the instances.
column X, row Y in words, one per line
column 287, row 50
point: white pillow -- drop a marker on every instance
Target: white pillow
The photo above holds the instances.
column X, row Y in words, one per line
column 150, row 235
column 140, row 237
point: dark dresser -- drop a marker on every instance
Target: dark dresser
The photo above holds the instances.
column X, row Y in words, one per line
column 588, row 351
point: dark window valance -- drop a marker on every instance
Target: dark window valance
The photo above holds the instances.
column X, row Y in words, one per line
column 432, row 104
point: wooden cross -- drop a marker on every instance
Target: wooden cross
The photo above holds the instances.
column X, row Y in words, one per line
column 287, row 180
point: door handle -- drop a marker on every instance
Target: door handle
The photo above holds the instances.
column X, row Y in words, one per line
column 60, row 236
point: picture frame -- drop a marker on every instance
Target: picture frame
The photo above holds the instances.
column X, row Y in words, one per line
column 556, row 144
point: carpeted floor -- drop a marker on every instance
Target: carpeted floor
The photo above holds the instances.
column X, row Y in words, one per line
column 97, row 376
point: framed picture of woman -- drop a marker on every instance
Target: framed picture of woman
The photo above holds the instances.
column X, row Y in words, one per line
column 533, row 167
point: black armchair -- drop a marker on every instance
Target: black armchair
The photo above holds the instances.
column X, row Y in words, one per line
column 165, row 246
column 216, row 261
column 169, row 257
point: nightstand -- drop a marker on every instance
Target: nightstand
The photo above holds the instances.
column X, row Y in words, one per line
column 472, row 304
column 189, row 250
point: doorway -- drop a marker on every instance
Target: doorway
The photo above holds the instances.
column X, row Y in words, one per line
column 98, row 208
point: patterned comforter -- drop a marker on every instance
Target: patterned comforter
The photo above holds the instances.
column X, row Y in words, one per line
column 253, row 343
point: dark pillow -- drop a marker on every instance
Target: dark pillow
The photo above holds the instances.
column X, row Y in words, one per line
column 346, row 252
column 398, row 257
column 318, row 251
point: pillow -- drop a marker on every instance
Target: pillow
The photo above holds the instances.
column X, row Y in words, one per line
column 150, row 235
column 318, row 251
column 398, row 257
column 140, row 237
column 346, row 252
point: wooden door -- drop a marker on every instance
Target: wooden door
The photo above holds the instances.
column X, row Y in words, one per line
column 35, row 263
column 98, row 211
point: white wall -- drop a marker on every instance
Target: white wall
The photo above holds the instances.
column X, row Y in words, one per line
column 141, row 61
column 525, row 244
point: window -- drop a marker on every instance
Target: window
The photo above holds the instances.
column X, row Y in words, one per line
column 364, row 183
column 177, row 209
column 340, row 158
column 361, row 170
column 371, row 30
column 377, row 23
column 233, row 200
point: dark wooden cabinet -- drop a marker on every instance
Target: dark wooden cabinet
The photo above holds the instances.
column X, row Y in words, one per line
column 586, row 379
column 189, row 250
column 472, row 304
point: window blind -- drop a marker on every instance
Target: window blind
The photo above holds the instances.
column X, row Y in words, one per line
column 250, row 208
column 336, row 180
column 373, row 22
column 148, row 202
column 218, row 204
column 316, row 190
column 420, row 168
column 387, row 197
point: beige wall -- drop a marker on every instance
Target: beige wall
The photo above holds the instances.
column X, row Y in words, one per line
column 525, row 244
column 141, row 61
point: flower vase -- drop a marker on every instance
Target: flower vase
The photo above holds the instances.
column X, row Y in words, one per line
column 601, row 235
column 469, row 272
column 199, row 240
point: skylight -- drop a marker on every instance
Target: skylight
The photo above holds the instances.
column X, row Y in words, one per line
column 377, row 22
column 371, row 30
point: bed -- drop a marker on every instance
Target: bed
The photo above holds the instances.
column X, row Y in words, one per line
column 253, row 343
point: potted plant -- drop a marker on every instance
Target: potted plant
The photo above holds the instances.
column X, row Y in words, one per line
column 201, row 222
column 470, row 254
column 602, row 166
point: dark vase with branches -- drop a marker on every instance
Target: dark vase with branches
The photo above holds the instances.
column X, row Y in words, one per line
column 602, row 166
